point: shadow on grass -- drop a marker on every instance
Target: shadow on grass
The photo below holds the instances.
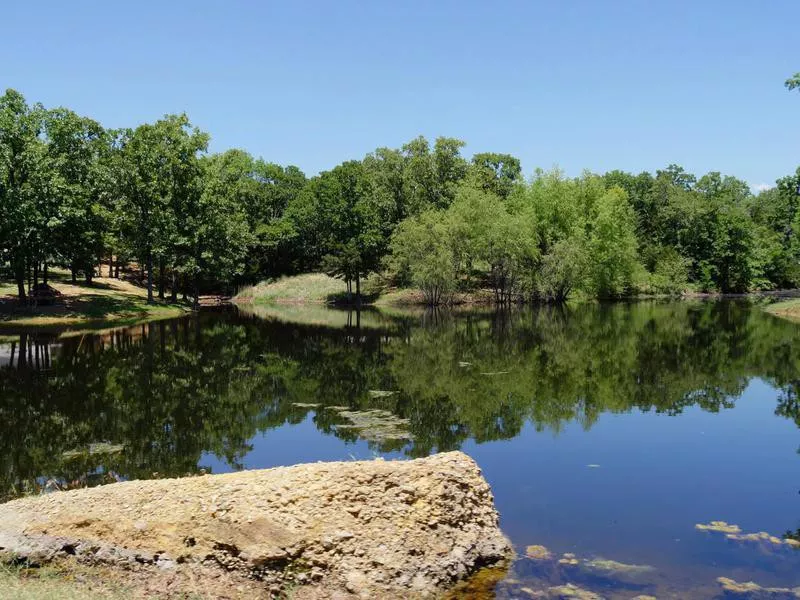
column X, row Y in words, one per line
column 345, row 299
column 99, row 306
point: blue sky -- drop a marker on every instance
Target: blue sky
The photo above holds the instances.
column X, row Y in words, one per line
column 592, row 85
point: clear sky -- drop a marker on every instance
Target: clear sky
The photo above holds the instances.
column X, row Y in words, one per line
column 589, row 84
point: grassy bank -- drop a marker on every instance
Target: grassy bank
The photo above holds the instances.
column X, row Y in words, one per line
column 318, row 288
column 104, row 302
column 787, row 309
column 308, row 288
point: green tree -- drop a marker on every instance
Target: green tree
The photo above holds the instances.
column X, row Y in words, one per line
column 563, row 270
column 343, row 221
column 496, row 173
column 159, row 178
column 420, row 247
column 263, row 191
column 611, row 243
column 76, row 147
column 22, row 155
column 432, row 177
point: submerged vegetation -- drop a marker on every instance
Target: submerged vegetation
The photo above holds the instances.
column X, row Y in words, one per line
column 153, row 200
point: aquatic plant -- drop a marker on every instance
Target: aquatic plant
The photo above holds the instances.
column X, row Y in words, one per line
column 376, row 425
column 572, row 592
column 568, row 559
column 613, row 567
column 719, row 526
column 751, row 589
column 536, row 552
column 763, row 536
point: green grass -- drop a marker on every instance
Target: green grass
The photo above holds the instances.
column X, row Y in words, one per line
column 105, row 302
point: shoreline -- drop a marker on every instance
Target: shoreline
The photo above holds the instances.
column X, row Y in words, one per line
column 106, row 302
column 413, row 298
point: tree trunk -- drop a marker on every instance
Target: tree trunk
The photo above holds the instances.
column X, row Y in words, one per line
column 160, row 278
column 196, row 291
column 149, row 277
column 174, row 289
column 110, row 265
column 22, row 357
column 116, row 269
column 358, row 290
column 19, row 274
column 74, row 273
column 44, row 273
column 35, row 273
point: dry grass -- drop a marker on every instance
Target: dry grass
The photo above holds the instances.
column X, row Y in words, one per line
column 68, row 580
column 788, row 309
column 49, row 583
column 105, row 300
column 309, row 288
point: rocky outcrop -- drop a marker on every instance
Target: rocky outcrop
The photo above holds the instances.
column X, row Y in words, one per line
column 371, row 529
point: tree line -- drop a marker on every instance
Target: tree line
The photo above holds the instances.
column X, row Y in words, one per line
column 153, row 200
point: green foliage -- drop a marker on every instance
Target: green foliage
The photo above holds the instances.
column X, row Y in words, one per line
column 670, row 272
column 495, row 173
column 347, row 222
column 72, row 193
column 421, row 247
column 611, row 244
column 430, row 178
column 563, row 269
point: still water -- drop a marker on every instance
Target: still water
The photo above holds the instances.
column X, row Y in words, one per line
column 605, row 431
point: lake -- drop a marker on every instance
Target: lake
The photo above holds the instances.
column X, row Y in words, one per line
column 607, row 431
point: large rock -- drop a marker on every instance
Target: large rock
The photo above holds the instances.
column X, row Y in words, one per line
column 375, row 528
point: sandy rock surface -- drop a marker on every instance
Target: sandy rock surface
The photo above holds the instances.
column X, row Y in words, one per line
column 374, row 528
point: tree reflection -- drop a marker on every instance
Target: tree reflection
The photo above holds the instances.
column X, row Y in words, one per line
column 164, row 393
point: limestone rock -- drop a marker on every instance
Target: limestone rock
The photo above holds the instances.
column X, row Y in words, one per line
column 375, row 528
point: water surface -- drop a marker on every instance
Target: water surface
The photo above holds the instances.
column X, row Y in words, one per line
column 606, row 431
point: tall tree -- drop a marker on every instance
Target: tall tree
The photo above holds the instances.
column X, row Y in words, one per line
column 496, row 173
column 159, row 179
column 353, row 216
column 21, row 162
column 75, row 148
